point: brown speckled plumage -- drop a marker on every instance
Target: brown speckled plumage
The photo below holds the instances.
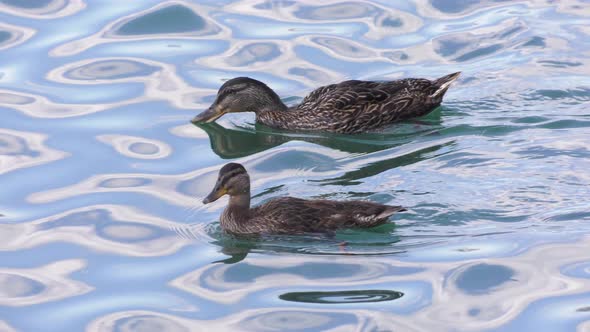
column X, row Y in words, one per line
column 347, row 107
column 289, row 215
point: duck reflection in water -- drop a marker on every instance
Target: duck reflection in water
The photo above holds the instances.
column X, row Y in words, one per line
column 377, row 241
column 238, row 248
column 231, row 143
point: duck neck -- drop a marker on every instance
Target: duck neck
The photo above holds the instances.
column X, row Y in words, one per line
column 271, row 105
column 263, row 99
column 276, row 117
column 237, row 211
column 240, row 202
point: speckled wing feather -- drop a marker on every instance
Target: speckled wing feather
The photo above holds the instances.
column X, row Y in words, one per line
column 297, row 216
column 356, row 106
column 343, row 96
column 353, row 106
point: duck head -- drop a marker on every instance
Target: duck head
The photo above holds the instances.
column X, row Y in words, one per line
column 241, row 94
column 232, row 180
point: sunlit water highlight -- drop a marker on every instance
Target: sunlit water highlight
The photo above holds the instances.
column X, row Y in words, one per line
column 102, row 174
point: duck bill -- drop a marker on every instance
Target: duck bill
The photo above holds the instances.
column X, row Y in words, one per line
column 214, row 195
column 210, row 115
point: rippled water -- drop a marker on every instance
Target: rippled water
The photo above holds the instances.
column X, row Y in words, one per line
column 102, row 174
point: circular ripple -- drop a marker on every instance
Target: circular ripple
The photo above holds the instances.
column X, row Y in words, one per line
column 342, row 297
column 144, row 148
column 137, row 147
column 147, row 323
column 482, row 278
column 110, row 70
column 286, row 320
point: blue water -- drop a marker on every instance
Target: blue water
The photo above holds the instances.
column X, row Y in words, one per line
column 102, row 175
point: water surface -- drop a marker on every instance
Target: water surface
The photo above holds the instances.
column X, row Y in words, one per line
column 102, row 174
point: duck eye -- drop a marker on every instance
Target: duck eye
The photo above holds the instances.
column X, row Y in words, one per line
column 235, row 89
column 228, row 92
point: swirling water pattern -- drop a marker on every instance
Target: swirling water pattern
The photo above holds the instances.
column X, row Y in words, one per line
column 102, row 175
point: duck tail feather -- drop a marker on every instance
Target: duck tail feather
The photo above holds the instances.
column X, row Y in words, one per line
column 443, row 84
column 390, row 210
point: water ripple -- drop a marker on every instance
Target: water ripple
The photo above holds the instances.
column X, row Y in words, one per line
column 117, row 229
column 20, row 150
column 137, row 147
column 109, row 70
column 356, row 296
column 193, row 22
column 23, row 287
column 12, row 35
column 45, row 9
column 101, row 222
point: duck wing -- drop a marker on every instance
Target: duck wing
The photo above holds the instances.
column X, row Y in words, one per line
column 288, row 215
column 354, row 106
column 346, row 98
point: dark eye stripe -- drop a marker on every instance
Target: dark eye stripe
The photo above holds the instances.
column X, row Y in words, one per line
column 231, row 90
column 227, row 176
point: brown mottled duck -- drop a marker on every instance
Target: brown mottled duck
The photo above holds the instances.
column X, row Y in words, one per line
column 289, row 215
column 348, row 107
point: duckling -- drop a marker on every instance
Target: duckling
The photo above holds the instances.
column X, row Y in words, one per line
column 289, row 215
column 348, row 107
